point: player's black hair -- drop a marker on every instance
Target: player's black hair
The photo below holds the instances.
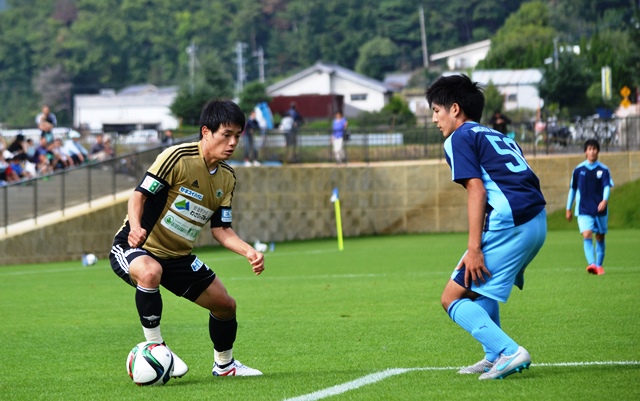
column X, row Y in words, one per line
column 221, row 112
column 447, row 90
column 591, row 142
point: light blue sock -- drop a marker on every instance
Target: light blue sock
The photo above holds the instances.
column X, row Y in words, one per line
column 493, row 310
column 588, row 251
column 474, row 319
column 599, row 252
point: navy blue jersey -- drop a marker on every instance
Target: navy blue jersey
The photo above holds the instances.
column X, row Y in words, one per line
column 513, row 190
column 589, row 182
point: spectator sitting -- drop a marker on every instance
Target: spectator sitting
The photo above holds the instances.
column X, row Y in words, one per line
column 31, row 150
column 7, row 175
column 101, row 150
column 61, row 159
column 77, row 153
column 18, row 147
column 20, row 169
column 43, row 157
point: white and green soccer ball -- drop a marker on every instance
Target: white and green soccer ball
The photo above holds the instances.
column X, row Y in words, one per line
column 150, row 364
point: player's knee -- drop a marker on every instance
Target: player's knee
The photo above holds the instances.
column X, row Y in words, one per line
column 445, row 301
column 224, row 309
column 147, row 275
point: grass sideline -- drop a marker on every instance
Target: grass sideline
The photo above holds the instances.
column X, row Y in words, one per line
column 318, row 318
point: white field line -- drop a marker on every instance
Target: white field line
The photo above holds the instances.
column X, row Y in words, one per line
column 379, row 376
column 212, row 264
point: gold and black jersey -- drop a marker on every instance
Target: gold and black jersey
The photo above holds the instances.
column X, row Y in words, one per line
column 182, row 196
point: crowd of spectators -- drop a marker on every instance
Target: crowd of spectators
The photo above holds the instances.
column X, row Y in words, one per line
column 22, row 159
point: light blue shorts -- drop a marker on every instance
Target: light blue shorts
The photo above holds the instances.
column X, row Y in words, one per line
column 595, row 224
column 506, row 255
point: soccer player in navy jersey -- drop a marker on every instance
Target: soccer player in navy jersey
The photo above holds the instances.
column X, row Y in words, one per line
column 591, row 184
column 507, row 222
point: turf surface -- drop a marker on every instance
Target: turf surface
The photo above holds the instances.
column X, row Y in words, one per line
column 319, row 318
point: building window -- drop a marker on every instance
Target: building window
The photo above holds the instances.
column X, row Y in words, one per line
column 358, row 96
column 512, row 98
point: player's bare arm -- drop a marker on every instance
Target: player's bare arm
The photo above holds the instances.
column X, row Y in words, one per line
column 602, row 205
column 474, row 258
column 569, row 215
column 137, row 234
column 230, row 240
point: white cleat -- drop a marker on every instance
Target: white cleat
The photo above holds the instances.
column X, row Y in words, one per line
column 479, row 367
column 508, row 364
column 235, row 368
column 179, row 367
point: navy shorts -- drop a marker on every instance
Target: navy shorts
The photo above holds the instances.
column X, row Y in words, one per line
column 185, row 276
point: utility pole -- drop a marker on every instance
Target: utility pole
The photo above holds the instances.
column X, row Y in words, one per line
column 260, row 55
column 423, row 35
column 191, row 51
column 240, row 70
column 555, row 53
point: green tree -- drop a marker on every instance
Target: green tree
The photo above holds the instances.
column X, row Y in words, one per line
column 567, row 86
column 493, row 100
column 213, row 83
column 398, row 111
column 188, row 106
column 377, row 56
column 525, row 40
column 253, row 93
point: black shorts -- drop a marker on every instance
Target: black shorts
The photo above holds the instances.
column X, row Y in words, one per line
column 185, row 276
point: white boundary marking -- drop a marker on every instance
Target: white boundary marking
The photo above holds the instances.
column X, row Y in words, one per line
column 379, row 376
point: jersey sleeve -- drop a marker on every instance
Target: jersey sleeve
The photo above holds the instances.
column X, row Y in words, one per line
column 464, row 158
column 223, row 216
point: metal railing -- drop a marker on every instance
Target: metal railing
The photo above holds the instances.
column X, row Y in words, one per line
column 31, row 199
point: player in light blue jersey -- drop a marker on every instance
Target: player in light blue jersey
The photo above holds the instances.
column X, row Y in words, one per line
column 591, row 185
column 507, row 222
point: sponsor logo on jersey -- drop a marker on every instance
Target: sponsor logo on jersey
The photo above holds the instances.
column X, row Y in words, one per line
column 197, row 264
column 151, row 184
column 180, row 226
column 191, row 193
column 192, row 210
column 219, row 193
column 226, row 215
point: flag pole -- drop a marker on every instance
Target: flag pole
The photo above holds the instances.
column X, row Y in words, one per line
column 336, row 203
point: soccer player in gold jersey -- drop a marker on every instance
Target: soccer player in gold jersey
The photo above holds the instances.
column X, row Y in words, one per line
column 188, row 186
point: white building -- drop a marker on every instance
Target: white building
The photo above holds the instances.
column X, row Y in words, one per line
column 519, row 87
column 135, row 107
column 464, row 57
column 360, row 93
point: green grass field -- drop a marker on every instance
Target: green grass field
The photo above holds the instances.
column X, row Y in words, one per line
column 319, row 318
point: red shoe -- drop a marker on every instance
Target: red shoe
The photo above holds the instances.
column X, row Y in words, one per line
column 593, row 269
column 599, row 270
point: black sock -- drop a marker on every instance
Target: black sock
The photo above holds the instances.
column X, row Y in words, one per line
column 149, row 304
column 222, row 332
